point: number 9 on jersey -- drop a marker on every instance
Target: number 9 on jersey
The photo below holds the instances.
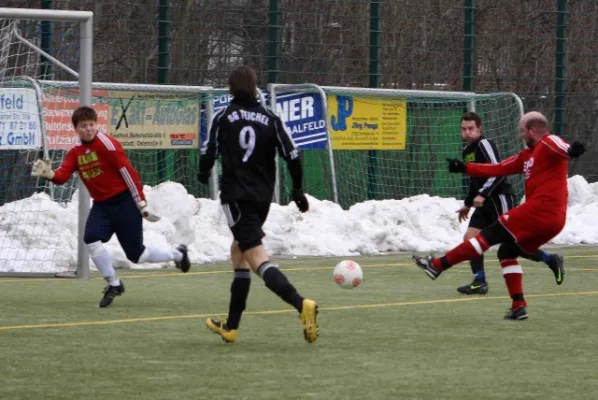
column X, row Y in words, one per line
column 247, row 141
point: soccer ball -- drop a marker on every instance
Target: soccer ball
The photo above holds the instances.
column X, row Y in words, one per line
column 348, row 274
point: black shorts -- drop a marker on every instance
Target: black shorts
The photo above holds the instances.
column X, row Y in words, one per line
column 493, row 208
column 245, row 220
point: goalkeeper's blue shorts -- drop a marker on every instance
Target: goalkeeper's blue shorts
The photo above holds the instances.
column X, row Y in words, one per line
column 118, row 215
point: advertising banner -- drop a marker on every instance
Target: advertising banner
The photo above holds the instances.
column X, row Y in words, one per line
column 367, row 124
column 59, row 105
column 141, row 120
column 19, row 119
column 302, row 114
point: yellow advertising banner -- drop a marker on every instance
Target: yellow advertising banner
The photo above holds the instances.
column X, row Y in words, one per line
column 367, row 124
column 145, row 120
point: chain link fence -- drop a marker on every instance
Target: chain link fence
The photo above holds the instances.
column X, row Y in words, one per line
column 327, row 42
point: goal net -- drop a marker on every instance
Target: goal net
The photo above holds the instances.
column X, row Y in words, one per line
column 33, row 234
column 394, row 144
column 158, row 125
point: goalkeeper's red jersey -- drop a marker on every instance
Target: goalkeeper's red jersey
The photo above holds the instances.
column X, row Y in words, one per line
column 104, row 168
column 545, row 167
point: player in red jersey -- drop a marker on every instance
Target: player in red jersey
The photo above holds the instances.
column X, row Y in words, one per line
column 119, row 204
column 522, row 230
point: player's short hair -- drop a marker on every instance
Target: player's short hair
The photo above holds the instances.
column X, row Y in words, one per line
column 536, row 123
column 243, row 81
column 84, row 113
column 471, row 116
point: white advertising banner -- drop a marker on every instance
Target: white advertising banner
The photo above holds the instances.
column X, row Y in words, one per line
column 19, row 119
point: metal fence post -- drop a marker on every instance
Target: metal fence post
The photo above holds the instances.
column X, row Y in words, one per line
column 468, row 45
column 46, row 42
column 561, row 61
column 163, row 69
column 375, row 16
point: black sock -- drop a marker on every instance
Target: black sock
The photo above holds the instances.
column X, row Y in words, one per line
column 534, row 257
column 477, row 267
column 538, row 256
column 277, row 282
column 518, row 297
column 239, row 290
column 444, row 264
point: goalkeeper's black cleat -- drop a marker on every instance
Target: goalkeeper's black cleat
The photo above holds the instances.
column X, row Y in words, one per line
column 475, row 287
column 110, row 292
column 184, row 264
column 425, row 264
column 557, row 265
column 516, row 315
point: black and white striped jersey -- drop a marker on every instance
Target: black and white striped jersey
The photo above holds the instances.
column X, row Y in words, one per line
column 247, row 137
column 484, row 151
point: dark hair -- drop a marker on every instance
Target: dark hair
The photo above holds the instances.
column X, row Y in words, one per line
column 243, row 82
column 84, row 113
column 471, row 116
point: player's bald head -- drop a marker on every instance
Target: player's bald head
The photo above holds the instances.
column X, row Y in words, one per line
column 535, row 120
column 533, row 126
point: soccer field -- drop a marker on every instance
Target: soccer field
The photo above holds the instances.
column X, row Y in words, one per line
column 397, row 336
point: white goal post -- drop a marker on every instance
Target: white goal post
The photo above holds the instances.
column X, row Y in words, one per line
column 85, row 20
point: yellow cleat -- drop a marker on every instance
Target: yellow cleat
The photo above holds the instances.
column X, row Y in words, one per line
column 219, row 328
column 309, row 312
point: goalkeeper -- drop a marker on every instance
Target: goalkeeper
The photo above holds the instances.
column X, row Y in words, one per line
column 119, row 204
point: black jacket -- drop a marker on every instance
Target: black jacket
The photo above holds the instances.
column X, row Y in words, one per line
column 484, row 151
column 247, row 136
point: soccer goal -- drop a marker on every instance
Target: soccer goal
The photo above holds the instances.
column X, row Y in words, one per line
column 33, row 240
column 376, row 144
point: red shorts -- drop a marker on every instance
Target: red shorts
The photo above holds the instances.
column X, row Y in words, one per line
column 531, row 226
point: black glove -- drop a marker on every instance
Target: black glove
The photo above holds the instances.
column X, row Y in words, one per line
column 455, row 165
column 299, row 198
column 576, row 149
column 203, row 178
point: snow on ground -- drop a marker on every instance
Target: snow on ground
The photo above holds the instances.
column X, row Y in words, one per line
column 37, row 234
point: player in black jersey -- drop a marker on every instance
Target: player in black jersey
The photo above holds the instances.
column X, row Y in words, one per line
column 247, row 136
column 491, row 198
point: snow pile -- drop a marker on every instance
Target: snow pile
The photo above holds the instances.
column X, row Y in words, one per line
column 582, row 214
column 37, row 234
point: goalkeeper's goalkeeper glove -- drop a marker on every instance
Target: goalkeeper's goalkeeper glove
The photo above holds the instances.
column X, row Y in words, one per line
column 456, row 166
column 576, row 149
column 43, row 168
column 299, row 198
column 147, row 213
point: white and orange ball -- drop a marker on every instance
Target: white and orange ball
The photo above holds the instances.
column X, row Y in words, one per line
column 348, row 274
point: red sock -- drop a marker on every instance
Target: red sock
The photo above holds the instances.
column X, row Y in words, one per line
column 513, row 274
column 467, row 250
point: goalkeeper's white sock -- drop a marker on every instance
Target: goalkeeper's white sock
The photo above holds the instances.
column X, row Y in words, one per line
column 101, row 258
column 160, row 254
